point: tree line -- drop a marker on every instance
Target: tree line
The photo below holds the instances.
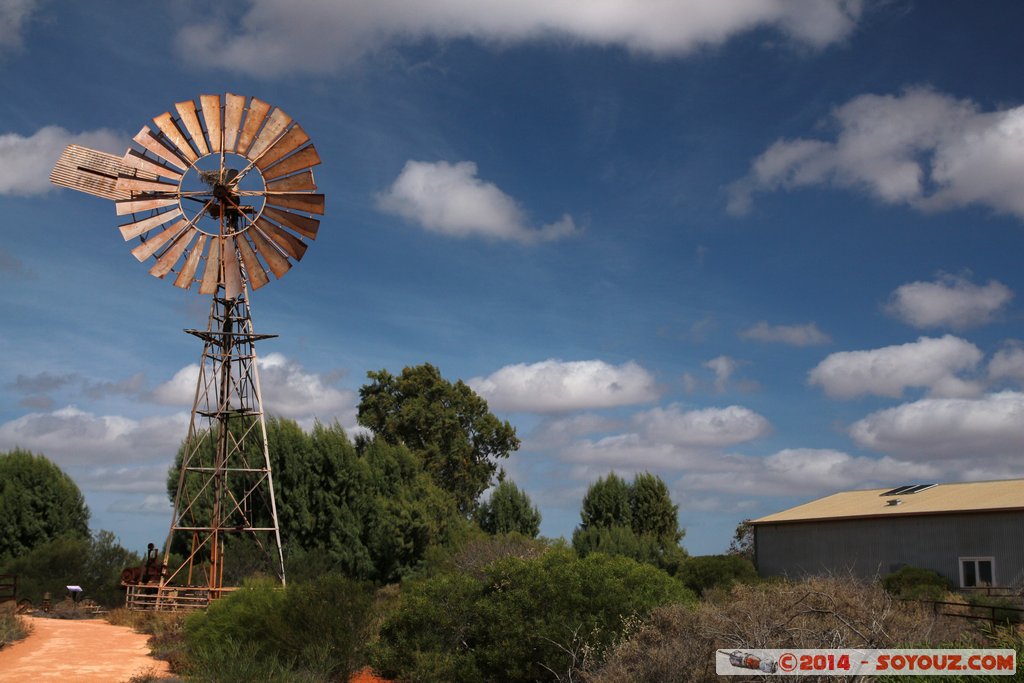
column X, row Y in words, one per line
column 414, row 525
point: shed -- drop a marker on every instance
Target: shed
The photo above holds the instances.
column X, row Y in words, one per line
column 972, row 533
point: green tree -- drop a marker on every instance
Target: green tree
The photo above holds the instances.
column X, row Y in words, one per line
column 637, row 519
column 652, row 511
column 742, row 542
column 607, row 503
column 95, row 563
column 533, row 619
column 369, row 512
column 38, row 503
column 447, row 425
column 509, row 510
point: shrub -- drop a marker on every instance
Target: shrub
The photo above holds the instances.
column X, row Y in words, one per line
column 703, row 573
column 309, row 631
column 915, row 583
column 524, row 620
column 165, row 631
column 12, row 627
column 677, row 645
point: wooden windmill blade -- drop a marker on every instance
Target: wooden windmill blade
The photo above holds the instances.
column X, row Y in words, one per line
column 218, row 190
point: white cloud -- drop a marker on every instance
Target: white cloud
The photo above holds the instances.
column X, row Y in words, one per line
column 968, row 429
column 278, row 37
column 559, row 386
column 73, row 437
column 707, row 427
column 180, row 390
column 951, row 301
column 553, row 433
column 669, row 438
column 928, row 363
column 921, row 148
column 153, row 504
column 26, row 162
column 794, row 335
column 1007, row 363
column 803, row 471
column 451, row 200
column 13, row 17
column 723, row 367
column 288, row 391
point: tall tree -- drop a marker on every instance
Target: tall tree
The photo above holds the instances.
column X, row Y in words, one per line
column 607, row 503
column 370, row 512
column 652, row 511
column 742, row 542
column 38, row 503
column 509, row 510
column 637, row 519
column 447, row 425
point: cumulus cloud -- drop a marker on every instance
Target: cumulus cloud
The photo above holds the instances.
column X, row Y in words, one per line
column 1007, row 363
column 147, row 478
column 74, row 437
column 552, row 386
column 920, row 148
column 671, row 438
column 153, row 504
column 794, row 335
column 963, row 428
column 805, row 471
column 292, row 392
column 723, row 367
column 451, row 200
column 928, row 363
column 557, row 432
column 951, row 301
column 14, row 15
column 288, row 391
column 277, row 37
column 26, row 162
column 706, row 427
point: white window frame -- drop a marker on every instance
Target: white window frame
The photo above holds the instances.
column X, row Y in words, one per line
column 975, row 560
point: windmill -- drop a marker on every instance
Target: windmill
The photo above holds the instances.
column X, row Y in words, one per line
column 217, row 195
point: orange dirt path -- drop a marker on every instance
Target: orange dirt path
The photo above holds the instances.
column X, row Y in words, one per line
column 82, row 651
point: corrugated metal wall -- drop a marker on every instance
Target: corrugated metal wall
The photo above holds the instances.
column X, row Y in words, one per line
column 876, row 547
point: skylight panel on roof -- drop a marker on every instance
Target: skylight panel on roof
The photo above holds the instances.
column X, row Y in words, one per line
column 907, row 489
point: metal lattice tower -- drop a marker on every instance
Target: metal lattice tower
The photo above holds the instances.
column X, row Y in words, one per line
column 225, row 484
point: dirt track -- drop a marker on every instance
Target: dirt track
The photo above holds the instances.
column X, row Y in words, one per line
column 77, row 651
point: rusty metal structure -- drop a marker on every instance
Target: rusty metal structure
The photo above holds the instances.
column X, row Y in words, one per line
column 217, row 194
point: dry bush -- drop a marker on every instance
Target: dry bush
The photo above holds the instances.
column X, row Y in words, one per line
column 677, row 644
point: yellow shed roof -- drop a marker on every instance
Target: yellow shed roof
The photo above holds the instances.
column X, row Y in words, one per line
column 977, row 496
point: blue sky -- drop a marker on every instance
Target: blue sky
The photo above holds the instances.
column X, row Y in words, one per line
column 766, row 250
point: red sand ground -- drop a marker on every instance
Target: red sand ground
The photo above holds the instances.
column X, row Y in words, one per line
column 89, row 651
column 367, row 676
column 79, row 650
